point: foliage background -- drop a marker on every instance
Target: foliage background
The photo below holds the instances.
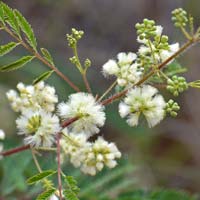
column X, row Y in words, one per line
column 166, row 156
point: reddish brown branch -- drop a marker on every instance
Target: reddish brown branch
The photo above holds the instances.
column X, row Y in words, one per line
column 15, row 150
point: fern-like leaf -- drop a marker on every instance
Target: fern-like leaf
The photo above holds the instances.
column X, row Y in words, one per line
column 27, row 29
column 4, row 49
column 43, row 77
column 72, row 189
column 17, row 64
column 46, row 194
column 10, row 18
column 47, row 55
column 40, row 176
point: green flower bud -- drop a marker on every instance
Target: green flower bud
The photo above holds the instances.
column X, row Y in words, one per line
column 179, row 17
column 177, row 85
column 172, row 107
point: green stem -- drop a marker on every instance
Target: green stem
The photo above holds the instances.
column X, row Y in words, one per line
column 108, row 90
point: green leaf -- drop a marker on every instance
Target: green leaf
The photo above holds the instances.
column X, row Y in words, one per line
column 26, row 28
column 43, row 77
column 47, row 55
column 40, row 176
column 174, row 68
column 10, row 18
column 46, row 194
column 17, row 64
column 2, row 15
column 70, row 195
column 4, row 49
column 72, row 190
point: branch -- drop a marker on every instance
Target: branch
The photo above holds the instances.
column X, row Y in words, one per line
column 26, row 147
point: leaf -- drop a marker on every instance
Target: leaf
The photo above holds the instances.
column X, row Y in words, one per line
column 4, row 49
column 70, row 195
column 72, row 191
column 10, row 18
column 40, row 176
column 17, row 64
column 27, row 29
column 46, row 194
column 174, row 68
column 2, row 15
column 47, row 55
column 43, row 77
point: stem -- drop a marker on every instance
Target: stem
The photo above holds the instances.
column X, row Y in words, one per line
column 69, row 121
column 43, row 60
column 15, row 150
column 108, row 90
column 81, row 69
column 152, row 72
column 59, row 166
column 185, row 33
column 36, row 161
column 86, row 82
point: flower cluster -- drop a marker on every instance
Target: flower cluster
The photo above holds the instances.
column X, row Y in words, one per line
column 36, row 103
column 2, row 137
column 89, row 156
column 125, row 69
column 39, row 96
column 143, row 100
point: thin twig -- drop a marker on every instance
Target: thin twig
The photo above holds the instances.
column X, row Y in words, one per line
column 87, row 85
column 59, row 166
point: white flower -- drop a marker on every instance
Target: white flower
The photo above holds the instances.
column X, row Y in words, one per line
column 142, row 100
column 90, row 114
column 165, row 54
column 39, row 96
column 110, row 67
column 99, row 154
column 2, row 134
column 126, row 71
column 39, row 127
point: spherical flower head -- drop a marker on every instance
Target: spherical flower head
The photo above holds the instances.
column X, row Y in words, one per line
column 143, row 100
column 90, row 114
column 99, row 154
column 34, row 97
column 125, row 69
column 39, row 128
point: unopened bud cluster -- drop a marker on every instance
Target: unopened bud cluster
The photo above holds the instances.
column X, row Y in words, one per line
column 74, row 37
column 172, row 108
column 179, row 17
column 177, row 85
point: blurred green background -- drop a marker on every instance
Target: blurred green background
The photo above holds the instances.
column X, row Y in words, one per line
column 166, row 156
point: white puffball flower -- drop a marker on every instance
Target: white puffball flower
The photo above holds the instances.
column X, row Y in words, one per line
column 34, row 97
column 143, row 100
column 39, row 127
column 74, row 144
column 90, row 114
column 100, row 154
column 125, row 69
column 2, row 134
